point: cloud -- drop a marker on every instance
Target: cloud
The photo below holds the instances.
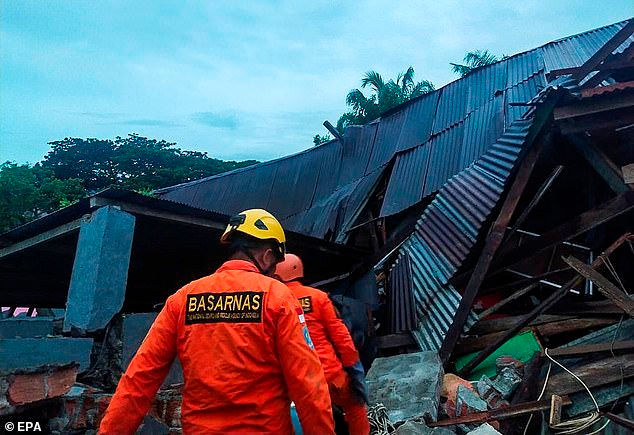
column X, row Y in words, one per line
column 99, row 115
column 149, row 123
column 216, row 120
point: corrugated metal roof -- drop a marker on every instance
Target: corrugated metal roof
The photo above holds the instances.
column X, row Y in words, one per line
column 575, row 50
column 407, row 180
column 435, row 304
column 386, row 142
column 431, row 138
column 401, row 308
column 449, row 228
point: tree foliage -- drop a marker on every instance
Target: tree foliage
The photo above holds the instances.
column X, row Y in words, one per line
column 383, row 96
column 133, row 162
column 76, row 167
column 27, row 192
column 474, row 60
column 321, row 139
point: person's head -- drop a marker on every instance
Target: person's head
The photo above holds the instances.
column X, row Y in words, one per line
column 257, row 236
column 291, row 269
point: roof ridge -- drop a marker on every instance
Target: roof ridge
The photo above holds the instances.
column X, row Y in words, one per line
column 242, row 169
column 596, row 29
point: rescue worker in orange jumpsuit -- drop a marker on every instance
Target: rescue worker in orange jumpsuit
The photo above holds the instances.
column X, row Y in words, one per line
column 334, row 345
column 242, row 342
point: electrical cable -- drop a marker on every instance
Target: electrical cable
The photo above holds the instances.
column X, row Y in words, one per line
column 380, row 423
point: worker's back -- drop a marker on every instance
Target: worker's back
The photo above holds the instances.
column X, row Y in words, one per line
column 329, row 334
column 243, row 354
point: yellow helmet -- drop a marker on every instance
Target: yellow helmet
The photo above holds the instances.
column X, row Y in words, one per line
column 256, row 223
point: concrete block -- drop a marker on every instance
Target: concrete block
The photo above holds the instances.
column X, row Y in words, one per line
column 467, row 402
column 135, row 327
column 488, row 391
column 507, row 381
column 30, row 353
column 484, row 429
column 26, row 327
column 100, row 271
column 418, row 428
column 408, row 385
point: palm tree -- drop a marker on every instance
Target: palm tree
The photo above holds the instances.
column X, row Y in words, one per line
column 474, row 60
column 383, row 96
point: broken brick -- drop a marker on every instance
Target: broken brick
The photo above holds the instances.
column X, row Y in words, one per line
column 450, row 383
column 59, row 382
column 27, row 388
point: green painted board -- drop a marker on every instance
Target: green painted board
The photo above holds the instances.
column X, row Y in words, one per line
column 522, row 346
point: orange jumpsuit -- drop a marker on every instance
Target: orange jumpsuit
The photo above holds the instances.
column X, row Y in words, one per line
column 336, row 350
column 245, row 355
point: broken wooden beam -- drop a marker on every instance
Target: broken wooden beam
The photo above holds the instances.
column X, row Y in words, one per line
column 474, row 344
column 612, row 44
column 601, row 163
column 545, row 305
column 621, row 421
column 538, row 196
column 504, row 323
column 592, row 349
column 499, row 414
column 594, row 106
column 594, row 374
column 576, row 226
column 606, row 288
column 518, row 294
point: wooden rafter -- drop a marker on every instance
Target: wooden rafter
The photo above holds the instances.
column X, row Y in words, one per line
column 600, row 162
column 601, row 54
column 545, row 305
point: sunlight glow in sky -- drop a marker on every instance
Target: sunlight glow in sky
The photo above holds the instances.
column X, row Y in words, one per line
column 240, row 79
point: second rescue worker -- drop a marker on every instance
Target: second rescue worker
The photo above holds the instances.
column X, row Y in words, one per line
column 242, row 343
column 336, row 350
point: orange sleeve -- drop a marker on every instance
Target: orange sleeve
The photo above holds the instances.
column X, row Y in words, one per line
column 338, row 333
column 302, row 370
column 143, row 377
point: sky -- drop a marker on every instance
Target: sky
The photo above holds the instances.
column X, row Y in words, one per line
column 239, row 79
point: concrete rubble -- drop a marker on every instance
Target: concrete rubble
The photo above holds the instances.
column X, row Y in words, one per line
column 408, row 385
column 484, row 429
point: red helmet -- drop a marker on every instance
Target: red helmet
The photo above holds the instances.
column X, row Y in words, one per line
column 290, row 269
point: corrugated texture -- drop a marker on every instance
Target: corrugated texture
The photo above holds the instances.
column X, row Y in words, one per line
column 435, row 304
column 329, row 157
column 386, row 142
column 575, row 50
column 331, row 216
column 452, row 104
column 356, row 152
column 449, row 228
column 419, row 119
column 294, row 178
column 481, row 128
column 444, row 160
column 522, row 66
column 407, row 180
column 523, row 92
column 431, row 139
column 401, row 308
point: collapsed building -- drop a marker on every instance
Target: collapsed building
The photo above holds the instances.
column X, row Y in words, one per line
column 468, row 236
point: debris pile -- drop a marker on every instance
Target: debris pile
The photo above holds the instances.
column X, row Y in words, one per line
column 478, row 239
